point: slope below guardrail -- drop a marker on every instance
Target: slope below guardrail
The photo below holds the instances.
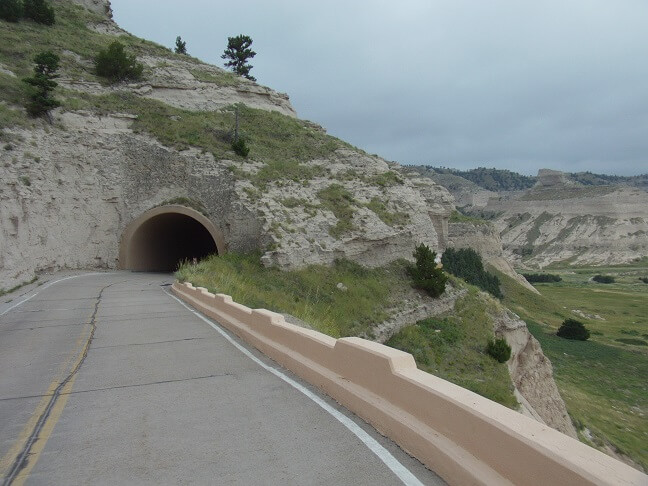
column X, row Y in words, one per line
column 463, row 437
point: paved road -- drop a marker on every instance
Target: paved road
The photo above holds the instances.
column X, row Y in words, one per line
column 108, row 379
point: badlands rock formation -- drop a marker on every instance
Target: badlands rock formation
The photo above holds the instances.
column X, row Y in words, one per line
column 532, row 374
column 578, row 225
column 561, row 220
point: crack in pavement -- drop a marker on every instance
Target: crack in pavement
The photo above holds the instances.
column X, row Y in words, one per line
column 118, row 387
column 41, row 327
column 147, row 344
column 21, row 460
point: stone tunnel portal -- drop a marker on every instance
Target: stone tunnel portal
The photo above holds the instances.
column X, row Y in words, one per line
column 160, row 239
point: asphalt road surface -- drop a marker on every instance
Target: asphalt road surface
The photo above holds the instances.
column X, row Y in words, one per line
column 106, row 378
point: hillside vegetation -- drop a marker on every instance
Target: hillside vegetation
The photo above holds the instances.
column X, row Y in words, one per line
column 347, row 299
column 602, row 380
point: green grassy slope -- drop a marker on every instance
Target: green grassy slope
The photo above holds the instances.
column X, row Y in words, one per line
column 603, row 381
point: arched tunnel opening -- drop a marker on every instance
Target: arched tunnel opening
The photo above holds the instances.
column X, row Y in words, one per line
column 160, row 242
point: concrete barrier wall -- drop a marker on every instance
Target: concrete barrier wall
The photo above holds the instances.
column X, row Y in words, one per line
column 465, row 438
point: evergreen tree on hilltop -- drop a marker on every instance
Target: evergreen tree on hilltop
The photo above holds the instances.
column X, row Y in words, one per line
column 181, row 46
column 237, row 54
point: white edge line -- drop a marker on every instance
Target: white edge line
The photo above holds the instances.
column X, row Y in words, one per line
column 404, row 474
column 49, row 284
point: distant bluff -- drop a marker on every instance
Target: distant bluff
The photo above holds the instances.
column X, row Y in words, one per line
column 69, row 190
column 556, row 217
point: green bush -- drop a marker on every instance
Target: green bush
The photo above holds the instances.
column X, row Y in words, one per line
column 604, row 279
column 240, row 148
column 425, row 272
column 39, row 11
column 499, row 350
column 541, row 277
column 644, row 279
column 466, row 263
column 573, row 329
column 11, row 10
column 116, row 65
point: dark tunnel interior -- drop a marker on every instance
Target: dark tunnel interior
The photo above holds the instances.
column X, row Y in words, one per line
column 162, row 242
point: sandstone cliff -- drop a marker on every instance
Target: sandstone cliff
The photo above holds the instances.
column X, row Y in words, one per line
column 561, row 220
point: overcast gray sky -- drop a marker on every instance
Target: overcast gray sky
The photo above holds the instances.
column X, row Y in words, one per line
column 513, row 84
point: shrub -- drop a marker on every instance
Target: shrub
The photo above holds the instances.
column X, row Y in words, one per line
column 467, row 264
column 11, row 10
column 425, row 272
column 573, row 329
column 116, row 65
column 644, row 279
column 240, row 148
column 604, row 279
column 541, row 277
column 39, row 11
column 499, row 350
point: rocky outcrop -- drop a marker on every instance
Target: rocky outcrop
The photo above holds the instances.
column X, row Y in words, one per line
column 560, row 220
column 579, row 225
column 67, row 193
column 304, row 233
column 190, row 86
column 532, row 374
column 101, row 7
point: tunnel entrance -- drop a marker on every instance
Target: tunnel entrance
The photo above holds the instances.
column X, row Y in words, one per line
column 160, row 239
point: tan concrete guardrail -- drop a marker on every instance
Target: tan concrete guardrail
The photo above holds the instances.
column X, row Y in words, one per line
column 463, row 437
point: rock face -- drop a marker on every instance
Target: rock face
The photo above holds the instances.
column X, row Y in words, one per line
column 67, row 195
column 579, row 225
column 485, row 240
column 101, row 7
column 303, row 237
column 532, row 374
column 561, row 220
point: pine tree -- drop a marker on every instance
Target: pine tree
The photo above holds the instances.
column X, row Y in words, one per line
column 116, row 65
column 42, row 84
column 181, row 46
column 39, row 11
column 426, row 273
column 11, row 10
column 238, row 52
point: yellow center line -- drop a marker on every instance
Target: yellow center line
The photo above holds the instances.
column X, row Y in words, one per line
column 7, row 461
